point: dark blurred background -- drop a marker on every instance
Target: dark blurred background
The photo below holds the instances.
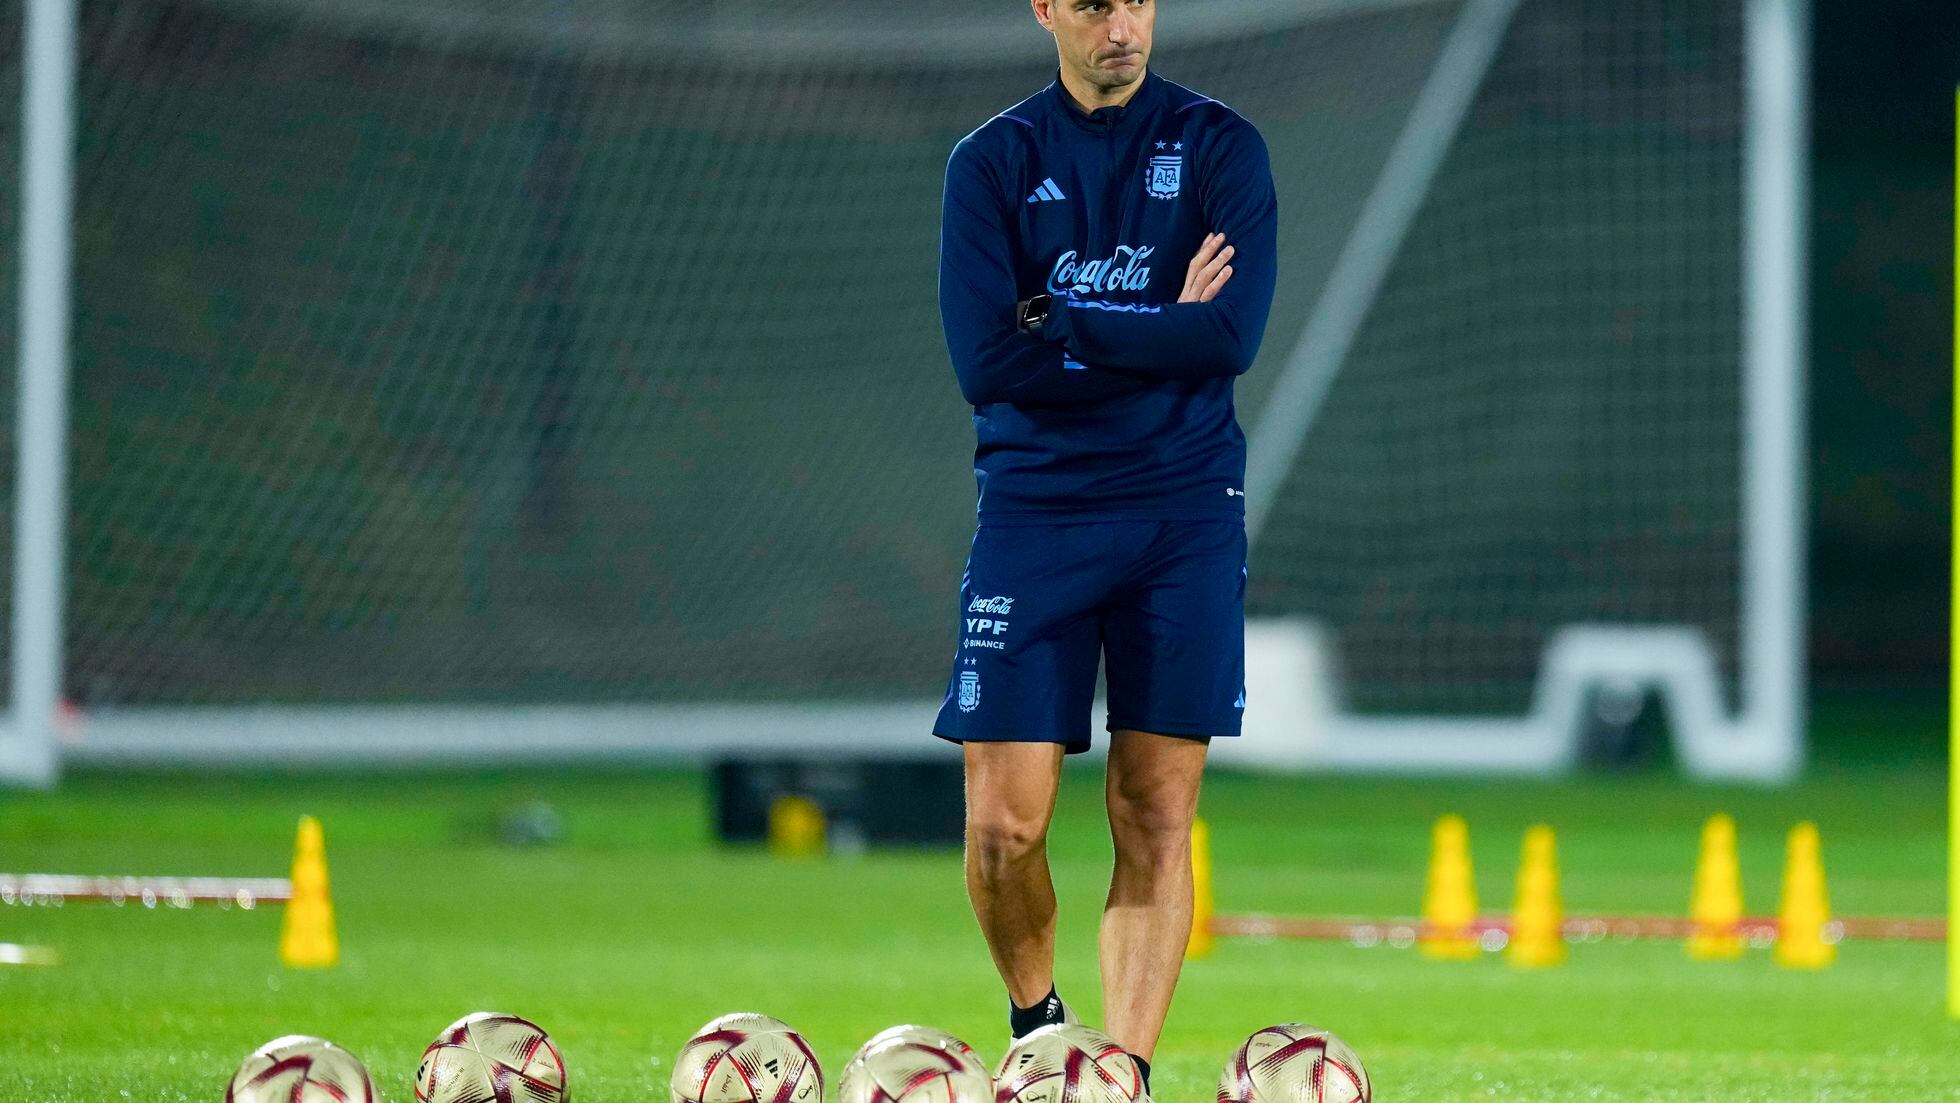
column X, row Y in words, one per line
column 1881, row 378
column 471, row 238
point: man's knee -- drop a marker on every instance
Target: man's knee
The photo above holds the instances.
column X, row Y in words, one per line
column 997, row 839
column 1010, row 795
column 1152, row 830
column 1152, row 796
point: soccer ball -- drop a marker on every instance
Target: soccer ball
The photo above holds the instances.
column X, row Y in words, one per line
column 1064, row 1061
column 1294, row 1063
column 746, row 1058
column 924, row 1035
column 492, row 1058
column 921, row 1035
column 915, row 1065
column 300, row 1069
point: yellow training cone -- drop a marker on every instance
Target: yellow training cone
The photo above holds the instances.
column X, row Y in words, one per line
column 1715, row 908
column 796, row 827
column 306, row 936
column 1203, row 905
column 1537, row 921
column 1449, row 900
column 1806, row 907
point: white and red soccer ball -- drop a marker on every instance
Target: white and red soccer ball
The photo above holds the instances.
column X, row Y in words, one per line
column 923, row 1035
column 915, row 1064
column 492, row 1058
column 1294, row 1063
column 746, row 1058
column 1067, row 1063
column 299, row 1068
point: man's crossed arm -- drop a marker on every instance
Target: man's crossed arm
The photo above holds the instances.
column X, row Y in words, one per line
column 1088, row 351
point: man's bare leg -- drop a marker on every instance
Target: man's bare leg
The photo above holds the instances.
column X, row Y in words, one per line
column 1010, row 796
column 1152, row 790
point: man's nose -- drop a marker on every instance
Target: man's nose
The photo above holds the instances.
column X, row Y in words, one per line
column 1122, row 26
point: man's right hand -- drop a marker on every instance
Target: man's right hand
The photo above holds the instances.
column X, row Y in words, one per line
column 1207, row 273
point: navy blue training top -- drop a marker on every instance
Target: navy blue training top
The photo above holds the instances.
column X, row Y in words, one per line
column 1121, row 407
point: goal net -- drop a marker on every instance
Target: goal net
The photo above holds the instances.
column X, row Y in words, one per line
column 1549, row 463
column 463, row 376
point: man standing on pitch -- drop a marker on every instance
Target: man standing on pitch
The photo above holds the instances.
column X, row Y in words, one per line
column 1106, row 266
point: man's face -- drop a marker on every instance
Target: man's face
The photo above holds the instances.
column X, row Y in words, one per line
column 1105, row 42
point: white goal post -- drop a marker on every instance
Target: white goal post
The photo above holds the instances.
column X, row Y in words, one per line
column 1733, row 713
column 29, row 751
column 1762, row 740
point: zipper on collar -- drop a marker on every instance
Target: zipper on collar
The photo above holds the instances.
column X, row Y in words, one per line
column 1107, row 120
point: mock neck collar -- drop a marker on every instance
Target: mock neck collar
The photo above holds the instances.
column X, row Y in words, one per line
column 1105, row 120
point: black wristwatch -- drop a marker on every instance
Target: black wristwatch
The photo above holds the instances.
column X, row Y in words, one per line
column 1031, row 314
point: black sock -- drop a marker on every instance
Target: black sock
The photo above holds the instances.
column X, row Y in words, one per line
column 1022, row 1021
column 1143, row 1069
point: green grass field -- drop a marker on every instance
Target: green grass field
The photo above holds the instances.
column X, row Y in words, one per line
column 637, row 929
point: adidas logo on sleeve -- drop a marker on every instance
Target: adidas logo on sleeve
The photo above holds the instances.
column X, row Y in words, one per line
column 1046, row 192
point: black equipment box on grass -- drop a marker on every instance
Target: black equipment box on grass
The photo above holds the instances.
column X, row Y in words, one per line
column 865, row 801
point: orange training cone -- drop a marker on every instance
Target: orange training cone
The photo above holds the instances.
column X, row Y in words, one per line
column 306, row 935
column 1449, row 900
column 1715, row 909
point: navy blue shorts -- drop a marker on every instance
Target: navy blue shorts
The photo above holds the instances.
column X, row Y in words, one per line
column 1161, row 603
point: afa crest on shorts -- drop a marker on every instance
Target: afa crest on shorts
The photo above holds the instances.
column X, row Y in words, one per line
column 969, row 690
column 1164, row 176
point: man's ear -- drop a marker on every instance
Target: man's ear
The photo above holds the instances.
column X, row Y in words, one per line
column 1044, row 13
